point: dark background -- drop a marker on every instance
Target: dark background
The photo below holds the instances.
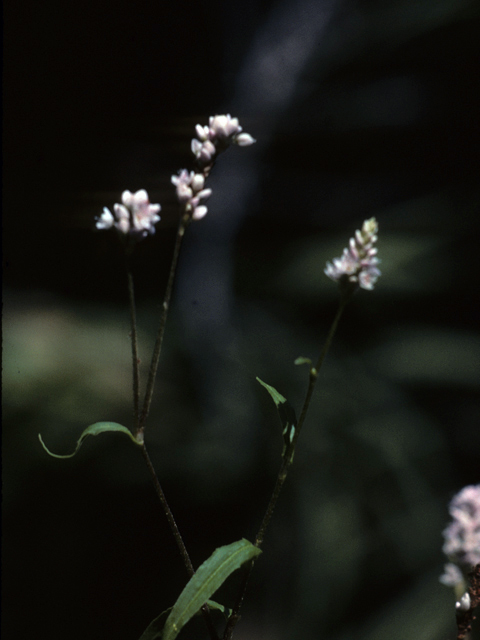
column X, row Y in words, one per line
column 360, row 109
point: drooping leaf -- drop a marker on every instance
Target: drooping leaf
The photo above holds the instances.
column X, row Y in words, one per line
column 206, row 580
column 93, row 430
column 287, row 416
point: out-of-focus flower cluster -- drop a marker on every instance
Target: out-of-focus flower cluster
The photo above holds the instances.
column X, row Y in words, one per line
column 462, row 536
column 135, row 216
column 220, row 133
column 358, row 264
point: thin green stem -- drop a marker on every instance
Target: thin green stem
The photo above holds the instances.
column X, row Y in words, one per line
column 284, row 468
column 134, row 339
column 288, row 456
column 178, row 537
column 163, row 320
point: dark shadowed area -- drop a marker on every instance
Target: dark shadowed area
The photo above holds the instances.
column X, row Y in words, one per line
column 359, row 109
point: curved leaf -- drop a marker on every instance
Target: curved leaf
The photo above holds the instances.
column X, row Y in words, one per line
column 206, row 580
column 94, row 430
column 287, row 416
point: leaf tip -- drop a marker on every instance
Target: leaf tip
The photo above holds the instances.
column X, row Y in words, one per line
column 302, row 360
column 53, row 455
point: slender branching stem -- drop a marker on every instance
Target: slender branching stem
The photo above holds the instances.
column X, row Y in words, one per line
column 140, row 419
column 184, row 221
column 287, row 460
column 178, row 537
column 133, row 334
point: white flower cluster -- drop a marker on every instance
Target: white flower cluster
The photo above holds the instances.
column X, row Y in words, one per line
column 211, row 140
column 358, row 264
column 135, row 216
column 462, row 536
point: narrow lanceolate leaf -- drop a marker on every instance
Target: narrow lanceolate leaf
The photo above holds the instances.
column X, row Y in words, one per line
column 94, row 430
column 287, row 417
column 206, row 580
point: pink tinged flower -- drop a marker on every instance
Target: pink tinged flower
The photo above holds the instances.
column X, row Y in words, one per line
column 122, row 218
column 244, row 140
column 198, row 181
column 182, row 183
column 199, row 212
column 202, row 132
column 358, row 263
column 105, row 220
column 203, row 151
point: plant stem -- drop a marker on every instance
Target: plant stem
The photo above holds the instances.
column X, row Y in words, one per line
column 287, row 460
column 184, row 221
column 178, row 537
column 133, row 324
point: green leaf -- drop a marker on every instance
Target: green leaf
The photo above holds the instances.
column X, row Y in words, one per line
column 206, row 580
column 287, row 417
column 94, row 430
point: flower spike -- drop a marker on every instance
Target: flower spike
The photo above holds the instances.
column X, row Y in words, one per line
column 358, row 264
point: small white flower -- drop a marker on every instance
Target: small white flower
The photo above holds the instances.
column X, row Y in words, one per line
column 203, row 151
column 202, row 132
column 198, row 181
column 199, row 212
column 105, row 220
column 182, row 183
column 464, row 603
column 244, row 140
